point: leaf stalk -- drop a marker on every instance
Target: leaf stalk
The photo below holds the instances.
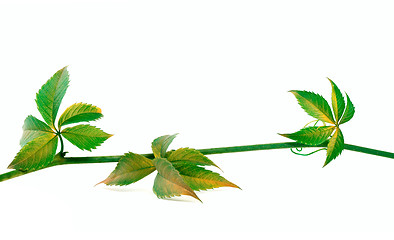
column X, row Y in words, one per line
column 61, row 144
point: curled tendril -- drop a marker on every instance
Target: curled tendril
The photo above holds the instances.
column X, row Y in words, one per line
column 299, row 150
column 314, row 121
column 305, row 154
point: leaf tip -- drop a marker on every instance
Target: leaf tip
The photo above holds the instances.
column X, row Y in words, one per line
column 100, row 183
column 235, row 186
column 284, row 134
column 326, row 162
column 192, row 194
column 296, row 93
column 332, row 83
column 198, row 198
column 214, row 164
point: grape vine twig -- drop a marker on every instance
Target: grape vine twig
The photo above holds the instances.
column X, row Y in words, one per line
column 179, row 172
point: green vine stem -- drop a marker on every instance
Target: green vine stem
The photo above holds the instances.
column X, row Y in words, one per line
column 61, row 145
column 208, row 151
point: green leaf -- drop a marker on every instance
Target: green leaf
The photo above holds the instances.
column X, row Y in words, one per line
column 190, row 155
column 199, row 178
column 85, row 137
column 338, row 102
column 315, row 105
column 50, row 96
column 36, row 154
column 349, row 112
column 311, row 135
column 79, row 112
column 335, row 146
column 33, row 128
column 161, row 144
column 130, row 169
column 168, row 181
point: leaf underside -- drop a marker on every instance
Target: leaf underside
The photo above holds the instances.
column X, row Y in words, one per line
column 79, row 112
column 338, row 102
column 169, row 182
column 50, row 96
column 349, row 112
column 33, row 128
column 199, row 178
column 85, row 137
column 36, row 154
column 315, row 105
column 161, row 144
column 311, row 135
column 189, row 155
column 130, row 169
column 335, row 146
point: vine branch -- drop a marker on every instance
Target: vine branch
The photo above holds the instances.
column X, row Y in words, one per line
column 207, row 151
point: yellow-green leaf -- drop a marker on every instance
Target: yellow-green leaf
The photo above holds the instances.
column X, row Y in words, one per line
column 33, row 128
column 335, row 146
column 190, row 155
column 349, row 112
column 315, row 105
column 85, row 137
column 311, row 135
column 338, row 102
column 168, row 182
column 50, row 96
column 79, row 112
column 161, row 144
column 130, row 169
column 199, row 178
column 36, row 154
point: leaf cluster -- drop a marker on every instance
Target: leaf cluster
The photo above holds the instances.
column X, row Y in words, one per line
column 316, row 106
column 179, row 172
column 40, row 139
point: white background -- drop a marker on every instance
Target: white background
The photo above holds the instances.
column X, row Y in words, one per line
column 217, row 72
